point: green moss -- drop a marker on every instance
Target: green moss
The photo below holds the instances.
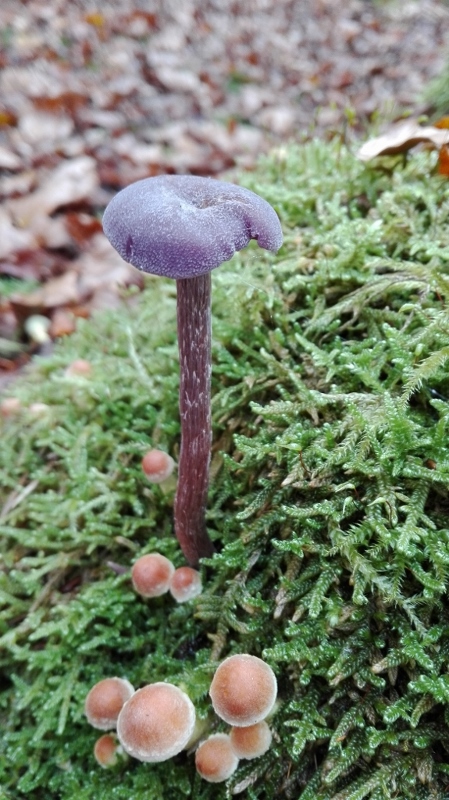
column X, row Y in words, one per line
column 328, row 505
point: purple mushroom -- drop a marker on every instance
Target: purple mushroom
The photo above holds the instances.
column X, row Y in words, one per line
column 182, row 227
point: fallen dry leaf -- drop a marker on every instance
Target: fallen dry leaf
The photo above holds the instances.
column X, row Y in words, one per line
column 60, row 291
column 71, row 182
column 81, row 226
column 17, row 185
column 94, row 272
column 45, row 131
column 402, row 137
column 443, row 161
column 101, row 267
column 11, row 237
column 8, row 159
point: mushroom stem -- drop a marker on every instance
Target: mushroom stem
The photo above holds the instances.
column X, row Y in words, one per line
column 194, row 342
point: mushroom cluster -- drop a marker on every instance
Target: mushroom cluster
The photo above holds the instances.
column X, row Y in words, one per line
column 243, row 693
column 158, row 721
column 102, row 707
column 153, row 723
column 153, row 575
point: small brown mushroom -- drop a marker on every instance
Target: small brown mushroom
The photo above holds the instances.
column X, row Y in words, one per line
column 157, row 466
column 106, row 751
column 80, row 368
column 251, row 742
column 185, row 584
column 10, row 406
column 243, row 690
column 156, row 723
column 151, row 575
column 105, row 701
column 215, row 759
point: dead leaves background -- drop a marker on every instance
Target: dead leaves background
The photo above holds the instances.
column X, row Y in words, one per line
column 93, row 97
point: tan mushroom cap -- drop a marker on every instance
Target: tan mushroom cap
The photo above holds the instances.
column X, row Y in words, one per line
column 185, row 584
column 157, row 466
column 10, row 406
column 151, row 575
column 156, row 723
column 251, row 742
column 105, row 751
column 105, row 701
column 215, row 760
column 243, row 690
column 79, row 368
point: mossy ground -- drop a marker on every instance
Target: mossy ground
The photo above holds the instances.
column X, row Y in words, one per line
column 328, row 505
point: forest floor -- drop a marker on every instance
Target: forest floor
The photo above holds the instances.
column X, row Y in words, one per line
column 95, row 97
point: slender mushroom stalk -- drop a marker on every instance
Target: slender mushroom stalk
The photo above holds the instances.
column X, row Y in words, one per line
column 182, row 227
column 194, row 344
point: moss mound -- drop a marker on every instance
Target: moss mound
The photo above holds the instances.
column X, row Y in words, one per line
column 328, row 505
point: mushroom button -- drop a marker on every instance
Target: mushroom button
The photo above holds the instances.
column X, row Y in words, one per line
column 156, row 723
column 157, row 466
column 185, row 584
column 215, row 759
column 106, row 751
column 243, row 690
column 182, row 227
column 105, row 701
column 251, row 742
column 151, row 574
column 79, row 368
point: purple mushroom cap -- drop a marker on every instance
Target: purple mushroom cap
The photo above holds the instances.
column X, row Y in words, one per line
column 182, row 226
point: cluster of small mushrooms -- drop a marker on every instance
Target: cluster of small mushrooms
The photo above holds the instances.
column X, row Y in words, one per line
column 158, row 721
column 183, row 227
column 153, row 574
